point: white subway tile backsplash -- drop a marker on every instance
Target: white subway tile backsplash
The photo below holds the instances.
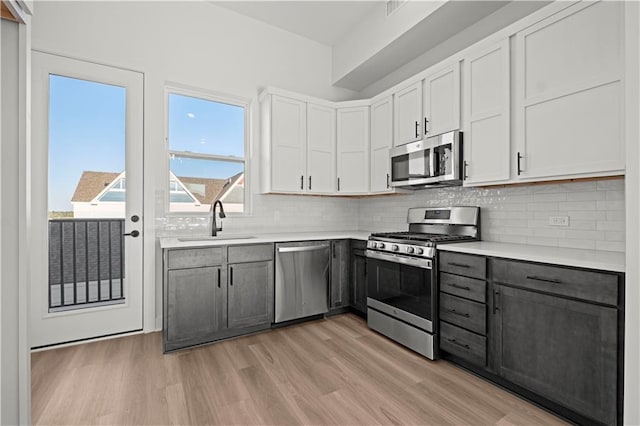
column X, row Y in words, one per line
column 517, row 214
column 520, row 214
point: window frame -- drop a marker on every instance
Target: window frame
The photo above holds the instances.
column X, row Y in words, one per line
column 213, row 96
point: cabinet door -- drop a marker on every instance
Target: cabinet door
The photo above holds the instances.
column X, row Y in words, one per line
column 353, row 150
column 487, row 143
column 407, row 114
column 250, row 300
column 340, row 253
column 561, row 349
column 321, row 149
column 381, row 142
column 195, row 304
column 288, row 144
column 442, row 101
column 359, row 283
column 569, row 93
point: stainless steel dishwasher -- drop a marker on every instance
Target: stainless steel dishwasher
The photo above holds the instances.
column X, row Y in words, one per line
column 302, row 279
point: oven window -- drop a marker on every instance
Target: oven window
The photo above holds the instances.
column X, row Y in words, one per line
column 401, row 286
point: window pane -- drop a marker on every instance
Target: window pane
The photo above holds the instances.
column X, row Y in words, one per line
column 205, row 127
column 206, row 180
column 113, row 196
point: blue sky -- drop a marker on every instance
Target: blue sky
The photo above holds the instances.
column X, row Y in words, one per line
column 87, row 132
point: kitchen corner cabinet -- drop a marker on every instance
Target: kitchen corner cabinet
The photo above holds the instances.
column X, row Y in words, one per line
column 321, row 149
column 381, row 142
column 358, row 272
column 340, row 263
column 299, row 146
column 353, row 150
column 487, row 141
column 212, row 293
column 569, row 93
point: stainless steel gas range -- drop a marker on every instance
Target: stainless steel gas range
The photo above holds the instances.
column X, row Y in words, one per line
column 402, row 299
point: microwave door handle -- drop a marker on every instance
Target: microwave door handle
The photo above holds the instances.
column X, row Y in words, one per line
column 434, row 161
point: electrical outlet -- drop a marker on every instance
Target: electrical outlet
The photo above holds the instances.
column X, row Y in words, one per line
column 559, row 220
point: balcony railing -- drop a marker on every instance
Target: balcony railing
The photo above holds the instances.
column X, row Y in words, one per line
column 86, row 263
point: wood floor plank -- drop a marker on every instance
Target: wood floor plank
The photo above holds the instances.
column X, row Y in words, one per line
column 334, row 371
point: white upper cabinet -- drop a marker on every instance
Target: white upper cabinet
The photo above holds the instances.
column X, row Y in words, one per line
column 569, row 93
column 381, row 142
column 486, row 143
column 408, row 114
column 321, row 149
column 288, row 140
column 442, row 101
column 353, row 150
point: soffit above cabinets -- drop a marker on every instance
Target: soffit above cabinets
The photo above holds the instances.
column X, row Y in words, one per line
column 326, row 22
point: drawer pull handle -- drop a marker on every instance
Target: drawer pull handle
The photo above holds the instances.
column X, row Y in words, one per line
column 459, row 265
column 462, row 345
column 546, row 280
column 461, row 287
column 453, row 311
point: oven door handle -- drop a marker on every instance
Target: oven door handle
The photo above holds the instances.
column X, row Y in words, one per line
column 405, row 260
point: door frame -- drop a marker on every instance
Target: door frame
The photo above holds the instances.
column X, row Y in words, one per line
column 38, row 187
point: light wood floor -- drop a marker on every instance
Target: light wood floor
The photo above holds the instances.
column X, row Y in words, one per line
column 333, row 371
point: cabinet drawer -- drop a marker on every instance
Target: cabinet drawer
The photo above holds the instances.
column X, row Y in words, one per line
column 469, row 288
column 463, row 312
column 193, row 258
column 587, row 285
column 252, row 253
column 463, row 343
column 463, row 264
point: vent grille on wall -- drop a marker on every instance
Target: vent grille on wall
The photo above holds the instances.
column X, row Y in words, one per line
column 393, row 5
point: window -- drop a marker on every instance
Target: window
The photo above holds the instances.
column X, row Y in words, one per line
column 207, row 145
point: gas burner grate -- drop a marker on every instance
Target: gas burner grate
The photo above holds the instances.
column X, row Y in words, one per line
column 413, row 236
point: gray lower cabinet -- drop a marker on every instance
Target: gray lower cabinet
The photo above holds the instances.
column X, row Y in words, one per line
column 555, row 332
column 358, row 276
column 250, row 294
column 339, row 293
column 195, row 304
column 212, row 293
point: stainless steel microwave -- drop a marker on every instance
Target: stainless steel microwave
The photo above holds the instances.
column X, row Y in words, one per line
column 433, row 161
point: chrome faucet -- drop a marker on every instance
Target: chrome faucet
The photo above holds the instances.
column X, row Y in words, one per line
column 214, row 227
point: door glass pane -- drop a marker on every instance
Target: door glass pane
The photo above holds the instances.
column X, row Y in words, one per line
column 86, row 193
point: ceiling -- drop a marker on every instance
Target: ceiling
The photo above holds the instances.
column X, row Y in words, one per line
column 323, row 21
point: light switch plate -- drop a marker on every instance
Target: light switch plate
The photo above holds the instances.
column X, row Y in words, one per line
column 559, row 220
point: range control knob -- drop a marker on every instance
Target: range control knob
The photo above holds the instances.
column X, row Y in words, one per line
column 409, row 250
column 419, row 250
column 394, row 247
column 380, row 245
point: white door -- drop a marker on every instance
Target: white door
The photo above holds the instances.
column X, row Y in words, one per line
column 86, row 195
column 353, row 150
column 321, row 149
column 381, row 142
column 487, row 143
column 408, row 114
column 288, row 144
column 442, row 101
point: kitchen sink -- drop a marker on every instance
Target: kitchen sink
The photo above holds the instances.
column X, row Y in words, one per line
column 216, row 238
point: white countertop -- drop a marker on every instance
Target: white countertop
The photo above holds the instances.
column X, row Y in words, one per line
column 174, row 242
column 580, row 258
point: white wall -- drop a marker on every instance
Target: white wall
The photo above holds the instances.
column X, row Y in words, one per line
column 632, row 295
column 204, row 46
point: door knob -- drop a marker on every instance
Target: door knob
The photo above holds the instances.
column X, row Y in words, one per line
column 133, row 234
